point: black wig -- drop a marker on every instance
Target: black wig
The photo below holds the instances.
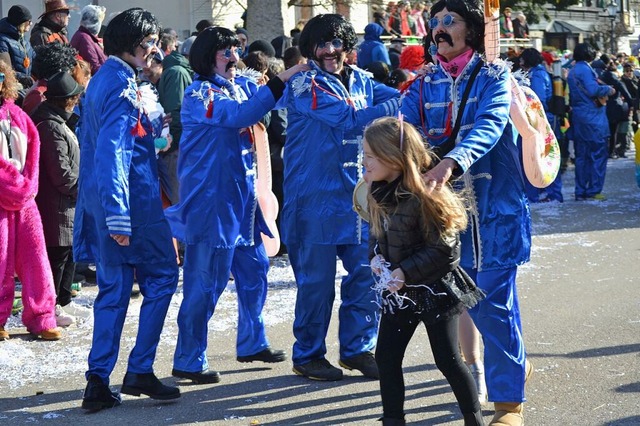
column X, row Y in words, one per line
column 52, row 58
column 324, row 28
column 472, row 11
column 531, row 57
column 584, row 52
column 127, row 30
column 202, row 55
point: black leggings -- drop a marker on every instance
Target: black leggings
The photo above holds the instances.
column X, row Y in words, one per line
column 394, row 336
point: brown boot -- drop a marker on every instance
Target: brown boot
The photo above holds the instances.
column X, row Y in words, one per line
column 511, row 413
column 51, row 334
column 4, row 335
column 508, row 414
column 528, row 371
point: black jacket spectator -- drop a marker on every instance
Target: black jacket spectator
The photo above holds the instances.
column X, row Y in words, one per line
column 19, row 51
column 59, row 162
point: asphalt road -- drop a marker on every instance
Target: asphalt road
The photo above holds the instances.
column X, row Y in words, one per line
column 580, row 298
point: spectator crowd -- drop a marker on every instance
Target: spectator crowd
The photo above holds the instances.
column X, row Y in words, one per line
column 125, row 148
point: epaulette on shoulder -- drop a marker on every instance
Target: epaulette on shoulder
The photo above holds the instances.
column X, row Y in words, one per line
column 302, row 82
column 498, row 67
column 365, row 72
column 522, row 78
column 250, row 74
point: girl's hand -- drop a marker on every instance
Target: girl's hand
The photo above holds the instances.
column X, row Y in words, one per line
column 375, row 263
column 397, row 280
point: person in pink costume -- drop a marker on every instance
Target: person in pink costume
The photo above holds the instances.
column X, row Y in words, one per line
column 22, row 246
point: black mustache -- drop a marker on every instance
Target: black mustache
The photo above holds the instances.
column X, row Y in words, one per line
column 443, row 37
column 324, row 57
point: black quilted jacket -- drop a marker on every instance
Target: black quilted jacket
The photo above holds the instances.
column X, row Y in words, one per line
column 404, row 245
column 426, row 262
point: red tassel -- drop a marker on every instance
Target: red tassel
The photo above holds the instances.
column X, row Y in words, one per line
column 404, row 86
column 314, row 97
column 209, row 113
column 138, row 130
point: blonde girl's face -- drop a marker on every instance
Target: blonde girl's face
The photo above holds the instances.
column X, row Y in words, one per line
column 375, row 169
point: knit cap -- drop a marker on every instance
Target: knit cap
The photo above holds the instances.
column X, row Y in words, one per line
column 92, row 17
column 263, row 46
column 18, row 14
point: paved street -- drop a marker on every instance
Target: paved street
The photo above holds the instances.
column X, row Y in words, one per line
column 580, row 298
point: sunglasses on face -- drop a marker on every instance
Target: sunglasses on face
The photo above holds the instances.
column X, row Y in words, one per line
column 1, row 77
column 447, row 21
column 149, row 44
column 229, row 52
column 336, row 43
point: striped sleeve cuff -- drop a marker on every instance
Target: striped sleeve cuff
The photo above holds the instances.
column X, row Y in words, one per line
column 119, row 225
column 392, row 106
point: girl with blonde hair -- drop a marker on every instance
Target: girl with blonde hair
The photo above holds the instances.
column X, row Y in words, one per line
column 415, row 254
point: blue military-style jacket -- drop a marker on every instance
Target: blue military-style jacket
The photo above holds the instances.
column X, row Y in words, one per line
column 323, row 153
column 118, row 181
column 499, row 234
column 217, row 166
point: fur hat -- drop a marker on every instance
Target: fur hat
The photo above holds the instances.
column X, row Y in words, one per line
column 18, row 14
column 91, row 17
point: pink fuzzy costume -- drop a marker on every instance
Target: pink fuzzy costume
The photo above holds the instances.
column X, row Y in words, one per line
column 22, row 246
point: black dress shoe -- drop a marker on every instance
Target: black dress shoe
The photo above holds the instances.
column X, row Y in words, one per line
column 199, row 378
column 148, row 384
column 97, row 395
column 365, row 363
column 266, row 355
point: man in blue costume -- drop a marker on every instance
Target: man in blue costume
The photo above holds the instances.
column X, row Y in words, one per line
column 119, row 222
column 589, row 123
column 218, row 217
column 485, row 157
column 328, row 108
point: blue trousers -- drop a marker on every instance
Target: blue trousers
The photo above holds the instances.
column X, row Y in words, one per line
column 206, row 275
column 157, row 283
column 497, row 317
column 314, row 266
column 591, row 166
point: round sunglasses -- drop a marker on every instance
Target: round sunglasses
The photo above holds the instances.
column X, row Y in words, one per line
column 336, row 43
column 149, row 44
column 447, row 21
column 229, row 52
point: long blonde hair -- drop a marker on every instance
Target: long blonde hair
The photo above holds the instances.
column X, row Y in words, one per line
column 443, row 210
